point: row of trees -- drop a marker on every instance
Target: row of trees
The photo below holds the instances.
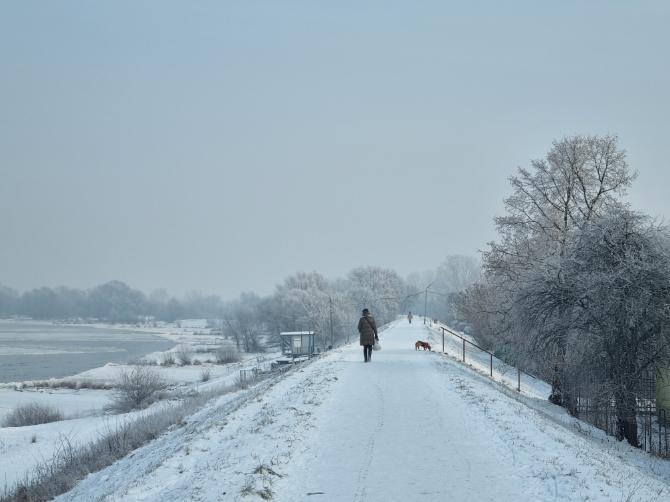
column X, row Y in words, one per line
column 435, row 291
column 309, row 301
column 577, row 287
column 303, row 301
column 114, row 302
column 331, row 308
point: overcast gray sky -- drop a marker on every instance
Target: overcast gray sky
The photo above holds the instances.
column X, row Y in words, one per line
column 220, row 146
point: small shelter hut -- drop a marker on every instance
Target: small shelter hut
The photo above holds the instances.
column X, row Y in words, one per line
column 297, row 343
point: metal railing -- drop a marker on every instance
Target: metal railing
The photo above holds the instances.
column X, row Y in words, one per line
column 452, row 333
column 647, row 415
column 261, row 369
column 249, row 375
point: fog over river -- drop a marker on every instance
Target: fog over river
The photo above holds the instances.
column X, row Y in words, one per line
column 31, row 350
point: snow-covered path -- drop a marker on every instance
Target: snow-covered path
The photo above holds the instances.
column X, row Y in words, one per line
column 407, row 426
column 397, row 426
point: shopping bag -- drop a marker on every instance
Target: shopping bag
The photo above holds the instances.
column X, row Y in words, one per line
column 376, row 346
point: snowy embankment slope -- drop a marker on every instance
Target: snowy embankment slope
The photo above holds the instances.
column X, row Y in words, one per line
column 481, row 361
column 407, row 425
column 23, row 448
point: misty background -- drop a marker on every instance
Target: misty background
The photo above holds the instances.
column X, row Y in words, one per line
column 222, row 147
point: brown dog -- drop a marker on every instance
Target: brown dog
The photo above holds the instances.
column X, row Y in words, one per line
column 420, row 344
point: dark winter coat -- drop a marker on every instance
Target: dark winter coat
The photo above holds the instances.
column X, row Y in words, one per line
column 367, row 330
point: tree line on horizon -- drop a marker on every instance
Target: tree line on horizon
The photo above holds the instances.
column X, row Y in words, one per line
column 303, row 301
column 113, row 302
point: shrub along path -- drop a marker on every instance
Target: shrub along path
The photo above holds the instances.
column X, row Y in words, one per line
column 409, row 425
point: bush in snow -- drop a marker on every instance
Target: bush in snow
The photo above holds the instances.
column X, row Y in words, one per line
column 168, row 359
column 88, row 384
column 184, row 355
column 32, row 414
column 227, row 354
column 136, row 387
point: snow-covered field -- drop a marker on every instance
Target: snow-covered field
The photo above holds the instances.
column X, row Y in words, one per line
column 21, row 449
column 409, row 425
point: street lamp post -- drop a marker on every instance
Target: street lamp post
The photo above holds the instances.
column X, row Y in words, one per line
column 425, row 303
column 331, row 321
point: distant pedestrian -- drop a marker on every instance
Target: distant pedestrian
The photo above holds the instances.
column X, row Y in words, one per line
column 410, row 316
column 367, row 328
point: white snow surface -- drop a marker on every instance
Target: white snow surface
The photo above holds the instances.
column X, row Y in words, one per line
column 19, row 454
column 410, row 425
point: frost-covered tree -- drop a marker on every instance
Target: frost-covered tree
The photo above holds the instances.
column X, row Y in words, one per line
column 8, row 300
column 345, row 312
column 480, row 306
column 307, row 300
column 303, row 297
column 581, row 179
column 117, row 302
column 199, row 306
column 304, row 301
column 604, row 301
column 378, row 289
column 242, row 324
column 453, row 275
column 40, row 303
column 457, row 272
column 578, row 181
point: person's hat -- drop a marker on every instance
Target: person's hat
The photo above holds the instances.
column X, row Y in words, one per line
column 366, row 310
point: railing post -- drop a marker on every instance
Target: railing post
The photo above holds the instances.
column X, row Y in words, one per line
column 665, row 426
column 651, row 429
column 491, row 365
column 463, row 349
column 442, row 339
column 518, row 388
column 660, row 436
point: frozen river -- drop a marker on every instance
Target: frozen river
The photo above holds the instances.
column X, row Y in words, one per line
column 31, row 350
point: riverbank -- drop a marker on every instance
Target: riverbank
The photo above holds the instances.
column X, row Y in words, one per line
column 39, row 350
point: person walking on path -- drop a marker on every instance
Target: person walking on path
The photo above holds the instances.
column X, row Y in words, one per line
column 410, row 317
column 367, row 328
